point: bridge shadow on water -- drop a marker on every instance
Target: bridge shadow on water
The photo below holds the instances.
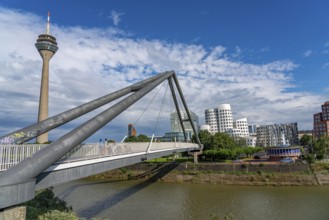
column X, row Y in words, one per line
column 100, row 206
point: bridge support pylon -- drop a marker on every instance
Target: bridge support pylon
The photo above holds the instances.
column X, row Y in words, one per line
column 195, row 157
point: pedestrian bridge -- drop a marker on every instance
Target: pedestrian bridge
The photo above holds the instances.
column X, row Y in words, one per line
column 26, row 168
column 90, row 159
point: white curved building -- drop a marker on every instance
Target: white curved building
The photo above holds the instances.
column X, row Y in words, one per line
column 221, row 120
column 242, row 125
column 211, row 118
column 225, row 118
column 205, row 128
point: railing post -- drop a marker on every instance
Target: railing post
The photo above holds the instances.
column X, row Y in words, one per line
column 150, row 144
column 1, row 157
column 124, row 138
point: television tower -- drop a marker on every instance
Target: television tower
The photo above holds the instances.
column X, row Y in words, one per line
column 47, row 47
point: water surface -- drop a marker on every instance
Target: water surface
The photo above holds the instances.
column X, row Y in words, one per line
column 162, row 201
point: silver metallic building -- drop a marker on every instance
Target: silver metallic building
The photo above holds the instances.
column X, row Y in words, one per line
column 277, row 135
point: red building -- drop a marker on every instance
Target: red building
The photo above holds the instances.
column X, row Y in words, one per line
column 321, row 121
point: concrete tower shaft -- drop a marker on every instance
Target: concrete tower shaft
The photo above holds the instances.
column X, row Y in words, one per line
column 47, row 47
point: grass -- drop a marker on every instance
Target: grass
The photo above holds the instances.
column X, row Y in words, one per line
column 320, row 166
column 170, row 159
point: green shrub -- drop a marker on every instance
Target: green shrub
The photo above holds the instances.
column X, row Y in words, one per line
column 310, row 158
column 45, row 202
column 123, row 170
column 58, row 215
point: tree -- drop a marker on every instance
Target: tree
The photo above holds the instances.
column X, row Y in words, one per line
column 321, row 147
column 305, row 140
column 143, row 138
column 205, row 139
column 111, row 141
column 240, row 142
column 222, row 140
column 131, row 139
column 45, row 202
column 139, row 138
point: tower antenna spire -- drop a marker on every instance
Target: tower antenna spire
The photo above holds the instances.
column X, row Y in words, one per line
column 48, row 24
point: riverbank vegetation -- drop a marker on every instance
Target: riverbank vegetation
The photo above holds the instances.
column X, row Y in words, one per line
column 297, row 174
column 45, row 206
column 221, row 146
column 318, row 148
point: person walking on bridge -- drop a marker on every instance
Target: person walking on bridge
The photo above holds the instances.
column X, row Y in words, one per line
column 100, row 147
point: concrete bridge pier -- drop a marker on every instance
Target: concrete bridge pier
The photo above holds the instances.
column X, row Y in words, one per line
column 196, row 156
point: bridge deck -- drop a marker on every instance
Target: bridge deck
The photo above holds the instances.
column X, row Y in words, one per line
column 13, row 154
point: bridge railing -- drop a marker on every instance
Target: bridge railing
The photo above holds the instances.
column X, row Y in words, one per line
column 13, row 154
column 90, row 151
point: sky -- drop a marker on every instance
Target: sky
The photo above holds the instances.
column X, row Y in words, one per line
column 268, row 59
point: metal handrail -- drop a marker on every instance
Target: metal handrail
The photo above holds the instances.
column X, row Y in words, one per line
column 10, row 155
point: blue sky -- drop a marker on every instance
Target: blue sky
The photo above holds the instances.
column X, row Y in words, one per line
column 268, row 59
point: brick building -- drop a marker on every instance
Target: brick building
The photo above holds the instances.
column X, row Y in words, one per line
column 321, row 121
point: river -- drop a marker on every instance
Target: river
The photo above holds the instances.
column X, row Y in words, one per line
column 142, row 199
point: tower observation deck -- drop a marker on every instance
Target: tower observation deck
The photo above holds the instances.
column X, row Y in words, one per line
column 46, row 41
column 47, row 46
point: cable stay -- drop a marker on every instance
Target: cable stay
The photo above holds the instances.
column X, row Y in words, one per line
column 137, row 120
column 161, row 109
column 159, row 115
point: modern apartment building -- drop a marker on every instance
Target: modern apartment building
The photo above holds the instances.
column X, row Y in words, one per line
column 242, row 125
column 205, row 128
column 211, row 118
column 221, row 120
column 225, row 118
column 175, row 137
column 277, row 135
column 321, row 121
column 175, row 123
column 176, row 133
column 251, row 141
column 252, row 130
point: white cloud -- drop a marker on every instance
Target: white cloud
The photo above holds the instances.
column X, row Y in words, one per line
column 93, row 62
column 324, row 66
column 116, row 17
column 307, row 53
